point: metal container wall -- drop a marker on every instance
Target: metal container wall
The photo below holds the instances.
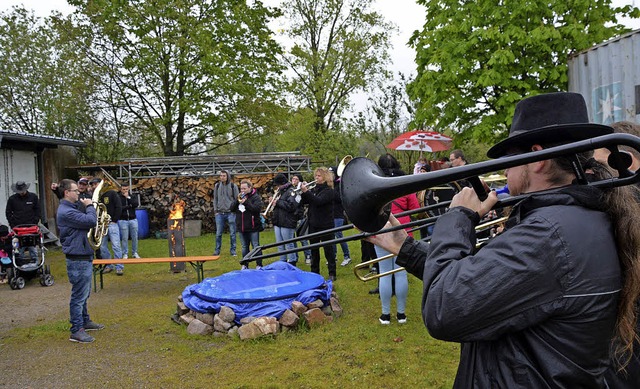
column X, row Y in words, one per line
column 608, row 76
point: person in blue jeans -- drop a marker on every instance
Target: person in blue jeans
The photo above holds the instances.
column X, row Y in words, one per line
column 338, row 217
column 247, row 209
column 75, row 218
column 225, row 192
column 128, row 222
column 111, row 200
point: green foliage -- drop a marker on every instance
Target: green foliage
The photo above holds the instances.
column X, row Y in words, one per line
column 340, row 47
column 189, row 72
column 476, row 59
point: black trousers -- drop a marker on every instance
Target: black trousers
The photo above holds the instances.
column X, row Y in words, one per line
column 329, row 251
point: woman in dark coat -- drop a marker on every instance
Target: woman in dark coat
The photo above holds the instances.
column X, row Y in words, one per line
column 320, row 214
column 247, row 208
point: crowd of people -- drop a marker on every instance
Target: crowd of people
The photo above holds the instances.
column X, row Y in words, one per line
column 551, row 301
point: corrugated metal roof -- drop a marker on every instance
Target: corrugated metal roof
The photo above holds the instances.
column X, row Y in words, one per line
column 599, row 45
column 46, row 140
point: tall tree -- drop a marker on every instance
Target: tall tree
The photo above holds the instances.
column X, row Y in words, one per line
column 339, row 47
column 476, row 59
column 191, row 72
column 44, row 87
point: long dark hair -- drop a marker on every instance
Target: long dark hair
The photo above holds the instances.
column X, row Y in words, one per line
column 623, row 208
column 390, row 165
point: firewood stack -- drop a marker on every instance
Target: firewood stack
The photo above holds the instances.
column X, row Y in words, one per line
column 159, row 194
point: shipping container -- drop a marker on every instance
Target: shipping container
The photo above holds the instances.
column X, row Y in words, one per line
column 608, row 76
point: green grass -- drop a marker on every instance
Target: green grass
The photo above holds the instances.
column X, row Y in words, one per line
column 142, row 347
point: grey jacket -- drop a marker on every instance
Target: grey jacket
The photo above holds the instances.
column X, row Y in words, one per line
column 536, row 307
column 224, row 194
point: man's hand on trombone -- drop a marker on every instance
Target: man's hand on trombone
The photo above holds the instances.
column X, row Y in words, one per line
column 468, row 198
column 390, row 241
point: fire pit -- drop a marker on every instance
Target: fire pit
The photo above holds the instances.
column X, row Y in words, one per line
column 175, row 227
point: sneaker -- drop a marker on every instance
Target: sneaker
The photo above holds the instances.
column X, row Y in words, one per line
column 402, row 318
column 375, row 291
column 135, row 255
column 307, row 260
column 244, row 267
column 385, row 319
column 107, row 269
column 93, row 326
column 258, row 267
column 233, row 255
column 346, row 261
column 81, row 337
column 216, row 253
column 125, row 256
column 119, row 272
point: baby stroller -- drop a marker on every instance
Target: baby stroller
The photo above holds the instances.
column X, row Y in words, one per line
column 28, row 265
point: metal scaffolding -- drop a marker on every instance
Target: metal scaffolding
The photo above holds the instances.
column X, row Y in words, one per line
column 204, row 166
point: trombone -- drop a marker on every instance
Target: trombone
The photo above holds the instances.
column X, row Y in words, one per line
column 366, row 192
column 367, row 264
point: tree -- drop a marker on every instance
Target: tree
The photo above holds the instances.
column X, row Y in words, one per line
column 190, row 72
column 43, row 86
column 476, row 59
column 339, row 47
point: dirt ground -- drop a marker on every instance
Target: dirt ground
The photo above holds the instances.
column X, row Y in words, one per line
column 33, row 304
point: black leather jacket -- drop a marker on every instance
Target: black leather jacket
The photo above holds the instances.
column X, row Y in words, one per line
column 536, row 307
column 286, row 210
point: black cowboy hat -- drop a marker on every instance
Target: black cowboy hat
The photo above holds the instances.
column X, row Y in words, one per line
column 20, row 187
column 547, row 119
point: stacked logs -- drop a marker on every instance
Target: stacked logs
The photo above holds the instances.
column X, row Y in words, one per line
column 159, row 195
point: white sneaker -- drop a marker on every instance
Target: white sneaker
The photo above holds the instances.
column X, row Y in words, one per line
column 307, row 261
column 244, row 267
column 258, row 267
column 346, row 261
column 135, row 255
column 125, row 256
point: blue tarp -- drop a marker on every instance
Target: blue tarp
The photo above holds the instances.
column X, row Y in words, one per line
column 265, row 292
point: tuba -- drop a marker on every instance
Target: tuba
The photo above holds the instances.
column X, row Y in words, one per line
column 97, row 233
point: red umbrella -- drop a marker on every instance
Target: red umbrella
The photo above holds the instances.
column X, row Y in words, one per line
column 421, row 141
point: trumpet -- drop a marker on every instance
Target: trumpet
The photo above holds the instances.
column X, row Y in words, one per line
column 366, row 192
column 310, row 185
column 272, row 203
column 241, row 196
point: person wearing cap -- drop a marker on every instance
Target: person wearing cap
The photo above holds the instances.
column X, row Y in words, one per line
column 23, row 207
column 539, row 305
column 285, row 217
column 83, row 187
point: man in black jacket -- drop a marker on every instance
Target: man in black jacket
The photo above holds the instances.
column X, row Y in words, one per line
column 111, row 200
column 128, row 222
column 539, row 304
column 23, row 207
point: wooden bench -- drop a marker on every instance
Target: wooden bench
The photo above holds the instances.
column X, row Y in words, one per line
column 196, row 262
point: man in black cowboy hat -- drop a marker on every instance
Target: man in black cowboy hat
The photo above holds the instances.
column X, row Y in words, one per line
column 538, row 305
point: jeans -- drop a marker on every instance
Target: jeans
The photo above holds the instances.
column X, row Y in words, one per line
column 386, row 288
column 33, row 253
column 344, row 245
column 114, row 237
column 230, row 218
column 284, row 233
column 79, row 273
column 128, row 227
column 252, row 238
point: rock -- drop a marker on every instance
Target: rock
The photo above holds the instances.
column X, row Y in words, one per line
column 227, row 314
column 187, row 318
column 247, row 320
column 289, row 319
column 197, row 327
column 206, row 318
column 333, row 293
column 315, row 317
column 182, row 309
column 259, row 327
column 180, row 298
column 232, row 331
column 217, row 334
column 298, row 308
column 221, row 325
column 327, row 310
column 336, row 307
column 315, row 304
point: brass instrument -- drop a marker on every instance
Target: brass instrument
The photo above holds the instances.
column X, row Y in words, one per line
column 367, row 193
column 241, row 196
column 272, row 203
column 310, row 185
column 343, row 164
column 97, row 233
column 367, row 264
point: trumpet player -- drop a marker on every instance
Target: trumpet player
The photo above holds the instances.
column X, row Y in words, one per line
column 74, row 222
column 320, row 214
column 285, row 217
column 551, row 301
column 247, row 209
